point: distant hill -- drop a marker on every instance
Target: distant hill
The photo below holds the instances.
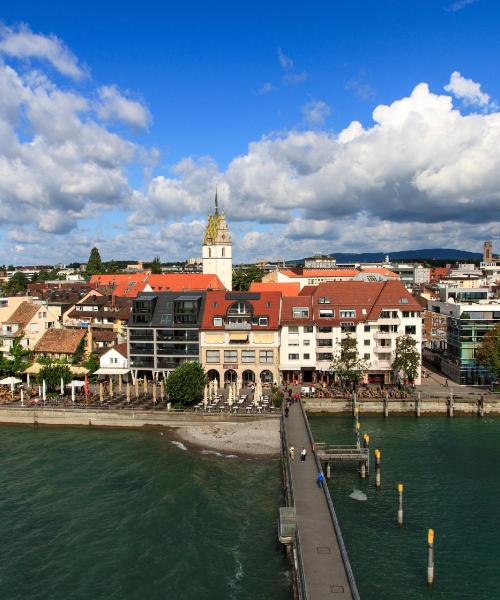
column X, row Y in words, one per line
column 450, row 254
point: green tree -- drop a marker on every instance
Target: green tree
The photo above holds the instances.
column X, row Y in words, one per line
column 185, row 384
column 92, row 364
column 18, row 361
column 94, row 263
column 347, row 363
column 243, row 277
column 79, row 352
column 52, row 374
column 406, row 357
column 111, row 267
column 488, row 351
column 16, row 284
column 156, row 266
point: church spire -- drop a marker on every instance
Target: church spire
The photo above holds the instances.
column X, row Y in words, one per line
column 216, row 202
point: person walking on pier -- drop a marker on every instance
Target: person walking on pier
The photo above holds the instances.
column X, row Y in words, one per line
column 287, row 410
column 292, row 453
column 303, row 455
column 320, row 478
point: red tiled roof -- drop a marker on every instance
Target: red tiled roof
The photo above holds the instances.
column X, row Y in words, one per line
column 179, row 282
column 23, row 314
column 60, row 341
column 286, row 289
column 291, row 302
column 320, row 273
column 260, row 308
column 380, row 271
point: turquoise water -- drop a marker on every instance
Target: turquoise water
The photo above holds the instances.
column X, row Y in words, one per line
column 450, row 470
column 91, row 514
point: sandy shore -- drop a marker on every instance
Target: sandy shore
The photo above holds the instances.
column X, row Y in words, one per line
column 252, row 438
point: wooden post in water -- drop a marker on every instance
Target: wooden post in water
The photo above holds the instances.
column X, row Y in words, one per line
column 377, row 469
column 417, row 405
column 386, row 404
column 480, row 406
column 430, row 559
column 450, row 405
column 358, row 444
column 354, row 407
column 128, row 391
column 400, row 507
column 162, row 390
column 328, row 470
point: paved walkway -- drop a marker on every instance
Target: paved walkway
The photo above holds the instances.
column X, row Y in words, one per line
column 322, row 562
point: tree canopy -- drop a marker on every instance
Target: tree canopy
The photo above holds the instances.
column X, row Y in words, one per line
column 17, row 363
column 94, row 263
column 185, row 383
column 347, row 363
column 52, row 375
column 156, row 266
column 243, row 277
column 488, row 351
column 16, row 284
column 406, row 357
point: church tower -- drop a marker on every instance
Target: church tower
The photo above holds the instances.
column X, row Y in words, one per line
column 217, row 248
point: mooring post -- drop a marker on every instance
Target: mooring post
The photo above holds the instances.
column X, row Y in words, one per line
column 377, row 469
column 366, row 441
column 386, row 404
column 450, row 405
column 400, row 507
column 358, row 444
column 362, row 469
column 328, row 471
column 354, row 404
column 430, row 561
column 480, row 406
column 417, row 405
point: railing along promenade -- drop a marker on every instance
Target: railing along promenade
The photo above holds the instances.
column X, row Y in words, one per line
column 322, row 566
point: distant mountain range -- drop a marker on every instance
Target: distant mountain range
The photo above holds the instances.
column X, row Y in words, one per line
column 450, row 254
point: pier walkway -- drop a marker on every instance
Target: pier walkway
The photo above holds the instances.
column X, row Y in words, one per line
column 324, row 564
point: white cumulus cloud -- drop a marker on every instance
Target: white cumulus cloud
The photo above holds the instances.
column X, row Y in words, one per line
column 115, row 106
column 467, row 90
column 316, row 112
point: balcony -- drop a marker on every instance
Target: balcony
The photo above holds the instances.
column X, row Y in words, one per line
column 237, row 326
column 382, row 349
column 380, row 335
column 383, row 365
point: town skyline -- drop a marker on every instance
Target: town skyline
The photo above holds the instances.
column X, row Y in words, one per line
column 315, row 143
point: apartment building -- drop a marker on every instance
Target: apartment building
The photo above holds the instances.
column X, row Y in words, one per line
column 28, row 323
column 240, row 337
column 163, row 332
column 314, row 324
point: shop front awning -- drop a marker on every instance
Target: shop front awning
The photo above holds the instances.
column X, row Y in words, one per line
column 35, row 368
column 238, row 337
column 111, row 371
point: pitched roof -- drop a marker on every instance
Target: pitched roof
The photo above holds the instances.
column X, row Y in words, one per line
column 23, row 314
column 291, row 302
column 319, row 273
column 121, row 349
column 285, row 289
column 264, row 304
column 179, row 282
column 60, row 341
column 380, row 271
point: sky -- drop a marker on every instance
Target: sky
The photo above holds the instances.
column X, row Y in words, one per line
column 345, row 126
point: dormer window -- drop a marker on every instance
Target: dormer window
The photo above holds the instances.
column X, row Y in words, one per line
column 240, row 308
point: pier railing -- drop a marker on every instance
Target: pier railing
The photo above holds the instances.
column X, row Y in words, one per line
column 333, row 514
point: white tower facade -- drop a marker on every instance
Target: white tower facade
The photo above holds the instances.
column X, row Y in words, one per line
column 218, row 248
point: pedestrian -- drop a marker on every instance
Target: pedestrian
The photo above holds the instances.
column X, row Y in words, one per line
column 303, row 455
column 292, row 453
column 289, row 393
column 446, row 383
column 287, row 410
column 320, row 478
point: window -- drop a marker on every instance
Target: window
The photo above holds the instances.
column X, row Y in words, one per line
column 266, row 356
column 367, row 342
column 248, row 356
column 33, row 327
column 367, row 328
column 300, row 312
column 42, row 315
column 213, row 356
column 307, row 356
column 215, row 304
column 410, row 329
column 403, row 301
column 223, row 252
column 326, row 313
column 384, row 356
column 307, row 342
column 269, row 304
column 324, row 356
column 388, row 314
column 293, row 329
column 240, row 308
column 325, row 330
column 325, row 343
column 263, row 321
column 308, row 329
column 366, row 356
column 293, row 357
column 363, row 311
column 348, row 327
column 348, row 314
column 324, row 300
column 217, row 321
column 230, row 356
column 293, row 342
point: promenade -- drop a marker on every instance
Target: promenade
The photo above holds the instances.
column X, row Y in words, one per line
column 324, row 569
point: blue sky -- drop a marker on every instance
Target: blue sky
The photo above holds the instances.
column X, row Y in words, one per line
column 137, row 111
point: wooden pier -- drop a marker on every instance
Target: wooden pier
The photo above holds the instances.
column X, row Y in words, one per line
column 311, row 529
column 329, row 454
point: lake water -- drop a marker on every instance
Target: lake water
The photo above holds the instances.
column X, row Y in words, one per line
column 90, row 514
column 451, row 472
